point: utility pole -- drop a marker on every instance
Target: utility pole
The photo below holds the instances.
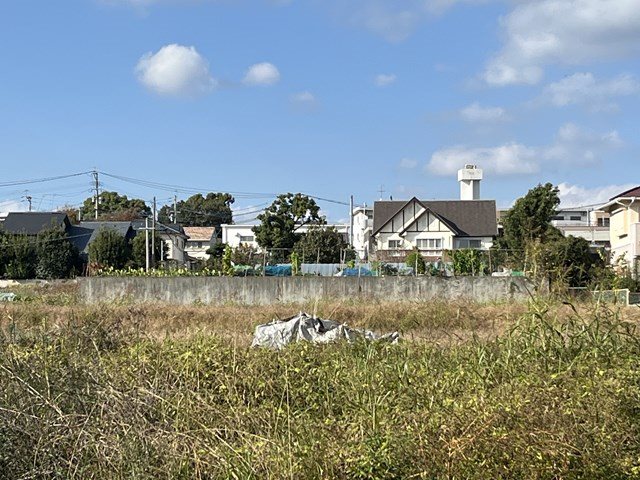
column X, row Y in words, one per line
column 97, row 193
column 28, row 198
column 146, row 242
column 351, row 220
column 153, row 235
column 175, row 209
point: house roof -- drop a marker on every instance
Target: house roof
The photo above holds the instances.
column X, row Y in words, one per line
column 168, row 228
column 32, row 223
column 633, row 192
column 467, row 218
column 200, row 234
column 85, row 233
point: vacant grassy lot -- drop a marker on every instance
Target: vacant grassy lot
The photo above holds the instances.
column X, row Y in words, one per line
column 474, row 391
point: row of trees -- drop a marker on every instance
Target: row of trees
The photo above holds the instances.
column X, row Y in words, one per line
column 278, row 230
column 212, row 209
column 51, row 254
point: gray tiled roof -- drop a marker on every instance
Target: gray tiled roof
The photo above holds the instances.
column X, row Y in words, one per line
column 32, row 223
column 470, row 218
column 82, row 235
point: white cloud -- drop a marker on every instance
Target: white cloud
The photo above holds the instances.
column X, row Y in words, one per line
column 476, row 113
column 262, row 74
column 575, row 195
column 584, row 89
column 384, row 80
column 408, row 163
column 508, row 159
column 572, row 147
column 304, row 102
column 568, row 32
column 393, row 20
column 8, row 206
column 175, row 70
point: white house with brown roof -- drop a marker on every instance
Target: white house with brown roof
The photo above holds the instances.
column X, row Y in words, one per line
column 432, row 226
column 199, row 241
column 624, row 211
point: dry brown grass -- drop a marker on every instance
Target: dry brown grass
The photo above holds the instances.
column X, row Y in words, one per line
column 443, row 323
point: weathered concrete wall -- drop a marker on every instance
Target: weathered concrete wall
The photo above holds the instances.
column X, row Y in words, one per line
column 269, row 290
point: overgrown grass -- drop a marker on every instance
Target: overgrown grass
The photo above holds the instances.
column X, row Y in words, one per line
column 122, row 392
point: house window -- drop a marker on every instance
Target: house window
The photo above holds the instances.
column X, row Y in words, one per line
column 557, row 217
column 394, row 244
column 246, row 239
column 603, row 222
column 575, row 218
column 429, row 243
column 468, row 243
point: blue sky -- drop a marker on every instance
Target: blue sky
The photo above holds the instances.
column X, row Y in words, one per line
column 326, row 97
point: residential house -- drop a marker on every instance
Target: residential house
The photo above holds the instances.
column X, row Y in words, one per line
column 32, row 223
column 83, row 234
column 624, row 211
column 432, row 226
column 200, row 239
column 234, row 235
column 592, row 225
column 172, row 235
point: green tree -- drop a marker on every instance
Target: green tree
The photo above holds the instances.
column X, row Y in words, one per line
column 57, row 257
column 139, row 250
column 115, row 207
column 211, row 210
column 528, row 221
column 323, row 245
column 281, row 220
column 416, row 261
column 21, row 257
column 569, row 261
column 109, row 249
column 245, row 254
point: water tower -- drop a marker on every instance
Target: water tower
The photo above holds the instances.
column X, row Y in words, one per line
column 470, row 177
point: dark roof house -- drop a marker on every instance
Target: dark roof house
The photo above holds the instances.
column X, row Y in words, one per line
column 465, row 218
column 32, row 223
column 85, row 233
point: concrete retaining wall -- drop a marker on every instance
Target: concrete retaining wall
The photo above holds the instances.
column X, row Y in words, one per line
column 269, row 290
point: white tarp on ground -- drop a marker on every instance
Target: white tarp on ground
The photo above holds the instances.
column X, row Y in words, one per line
column 305, row 328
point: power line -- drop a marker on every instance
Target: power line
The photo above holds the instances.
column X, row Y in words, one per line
column 41, row 180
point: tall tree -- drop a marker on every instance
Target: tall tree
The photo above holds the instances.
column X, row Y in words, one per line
column 109, row 249
column 139, row 249
column 323, row 245
column 57, row 256
column 211, row 210
column 529, row 220
column 281, row 220
column 115, row 207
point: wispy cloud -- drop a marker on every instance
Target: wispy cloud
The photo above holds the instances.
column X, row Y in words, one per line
column 384, row 80
column 263, row 74
column 569, row 32
column 585, row 90
column 572, row 147
column 576, row 195
column 477, row 113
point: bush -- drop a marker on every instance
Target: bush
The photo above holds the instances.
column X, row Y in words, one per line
column 416, row 261
column 109, row 249
column 57, row 257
